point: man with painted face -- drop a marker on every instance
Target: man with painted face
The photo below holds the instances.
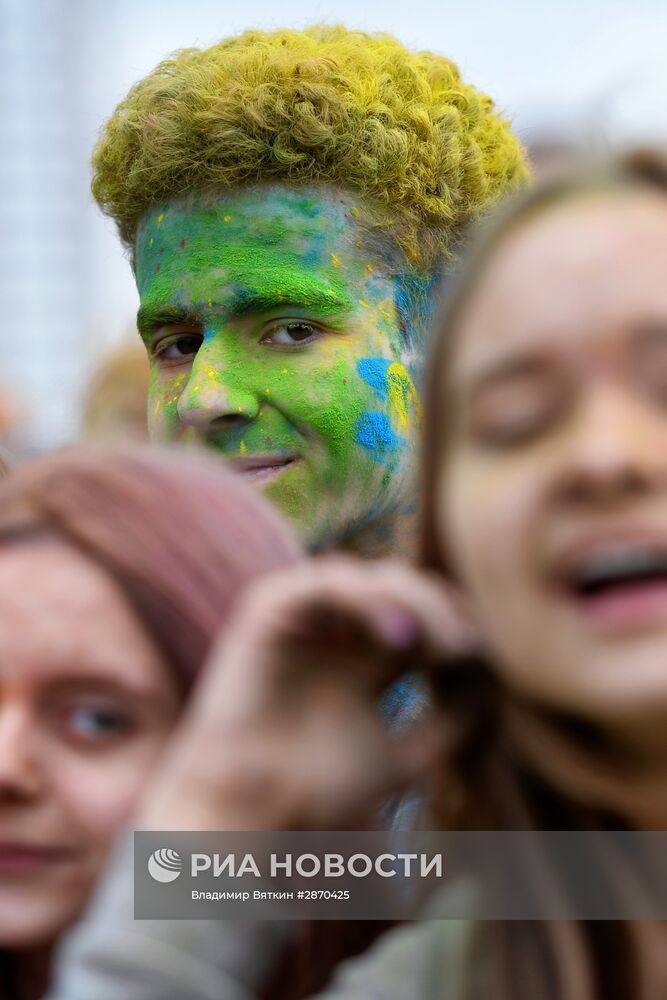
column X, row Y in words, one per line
column 289, row 200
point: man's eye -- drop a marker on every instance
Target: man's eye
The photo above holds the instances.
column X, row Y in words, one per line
column 291, row 334
column 178, row 348
column 96, row 723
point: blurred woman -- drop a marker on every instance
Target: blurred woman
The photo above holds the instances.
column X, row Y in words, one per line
column 543, row 630
column 546, row 500
column 117, row 569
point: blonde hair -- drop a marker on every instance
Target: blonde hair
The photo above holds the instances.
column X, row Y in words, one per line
column 325, row 105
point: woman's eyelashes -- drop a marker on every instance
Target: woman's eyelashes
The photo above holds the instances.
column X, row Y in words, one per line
column 514, row 414
column 92, row 723
column 655, row 380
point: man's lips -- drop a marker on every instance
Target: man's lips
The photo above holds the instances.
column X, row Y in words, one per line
column 260, row 467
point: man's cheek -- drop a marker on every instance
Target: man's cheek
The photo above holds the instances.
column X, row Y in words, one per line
column 163, row 419
column 392, row 410
column 329, row 400
column 164, row 394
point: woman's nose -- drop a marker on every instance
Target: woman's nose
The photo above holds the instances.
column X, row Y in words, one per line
column 20, row 770
column 617, row 446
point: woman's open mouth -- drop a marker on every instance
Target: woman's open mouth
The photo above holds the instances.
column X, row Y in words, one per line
column 619, row 584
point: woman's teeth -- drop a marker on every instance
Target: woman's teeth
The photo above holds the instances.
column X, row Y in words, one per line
column 617, row 566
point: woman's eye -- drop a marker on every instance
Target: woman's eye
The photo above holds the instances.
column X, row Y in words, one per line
column 514, row 418
column 516, row 432
column 657, row 379
column 179, row 348
column 292, row 334
column 96, row 723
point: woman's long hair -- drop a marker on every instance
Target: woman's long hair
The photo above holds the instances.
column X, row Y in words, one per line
column 516, row 767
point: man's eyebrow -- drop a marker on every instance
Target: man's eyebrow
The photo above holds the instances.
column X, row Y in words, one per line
column 299, row 291
column 151, row 317
column 303, row 292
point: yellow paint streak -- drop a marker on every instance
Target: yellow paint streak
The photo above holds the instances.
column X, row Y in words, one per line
column 242, row 448
column 402, row 394
column 226, row 218
column 335, row 260
column 160, row 219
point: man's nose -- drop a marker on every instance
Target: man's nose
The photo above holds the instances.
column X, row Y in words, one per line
column 214, row 396
column 21, row 773
column 617, row 446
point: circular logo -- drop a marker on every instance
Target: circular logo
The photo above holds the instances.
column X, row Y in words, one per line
column 165, row 865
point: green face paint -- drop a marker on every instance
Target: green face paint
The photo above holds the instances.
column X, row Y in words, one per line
column 274, row 339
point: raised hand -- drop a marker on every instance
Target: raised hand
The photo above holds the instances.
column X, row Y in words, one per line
column 283, row 731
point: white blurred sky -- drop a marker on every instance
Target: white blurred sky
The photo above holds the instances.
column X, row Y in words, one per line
column 565, row 64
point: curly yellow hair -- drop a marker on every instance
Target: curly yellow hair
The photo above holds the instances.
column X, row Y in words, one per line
column 325, row 105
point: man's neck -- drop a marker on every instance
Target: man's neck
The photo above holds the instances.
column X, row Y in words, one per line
column 393, row 537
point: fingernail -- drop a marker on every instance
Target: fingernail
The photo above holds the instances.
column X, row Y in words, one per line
column 400, row 630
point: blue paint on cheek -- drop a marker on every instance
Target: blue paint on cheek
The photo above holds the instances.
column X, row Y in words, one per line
column 374, row 372
column 375, row 434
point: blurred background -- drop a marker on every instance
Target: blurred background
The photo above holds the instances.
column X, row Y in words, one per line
column 569, row 74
